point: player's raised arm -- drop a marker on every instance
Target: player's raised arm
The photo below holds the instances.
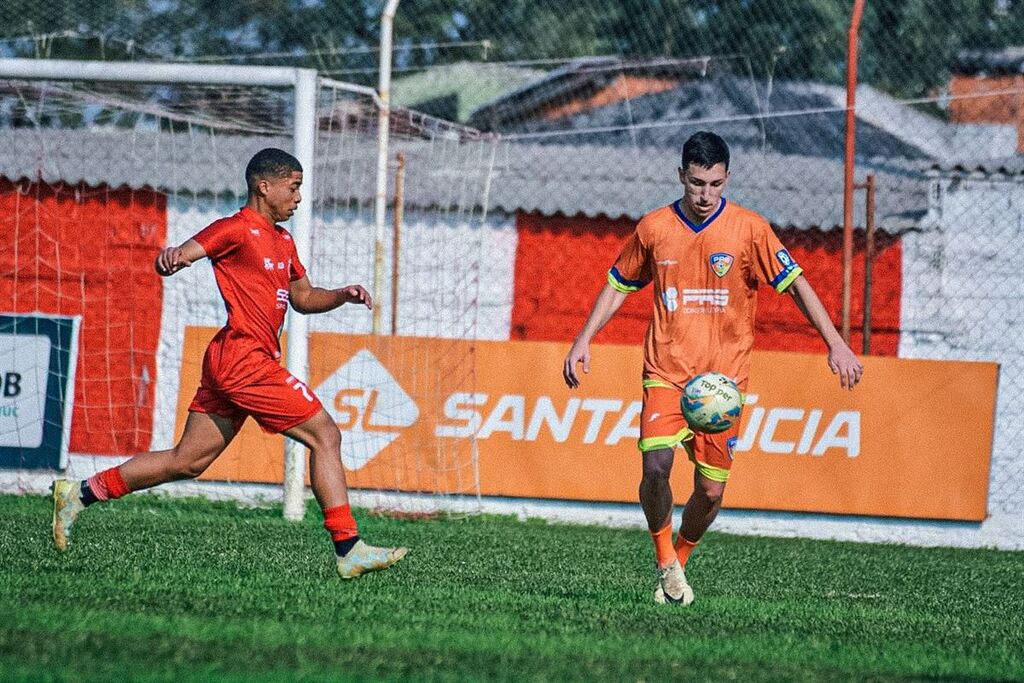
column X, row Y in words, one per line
column 841, row 359
column 172, row 259
column 305, row 298
column 608, row 302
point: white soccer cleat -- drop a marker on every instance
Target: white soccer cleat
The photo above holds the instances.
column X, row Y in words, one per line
column 67, row 503
column 363, row 558
column 672, row 586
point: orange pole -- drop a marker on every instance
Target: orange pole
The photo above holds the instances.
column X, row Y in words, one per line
column 851, row 124
column 869, row 262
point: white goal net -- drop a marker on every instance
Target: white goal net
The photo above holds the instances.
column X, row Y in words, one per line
column 97, row 175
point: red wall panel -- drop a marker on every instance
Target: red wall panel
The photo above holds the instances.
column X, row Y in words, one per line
column 80, row 250
column 562, row 263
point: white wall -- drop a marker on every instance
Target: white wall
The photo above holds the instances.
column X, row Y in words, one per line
column 963, row 299
column 456, row 281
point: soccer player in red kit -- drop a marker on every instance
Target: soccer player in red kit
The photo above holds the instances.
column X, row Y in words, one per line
column 258, row 273
column 706, row 258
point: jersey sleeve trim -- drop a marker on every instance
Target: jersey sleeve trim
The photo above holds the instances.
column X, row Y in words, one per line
column 623, row 285
column 784, row 279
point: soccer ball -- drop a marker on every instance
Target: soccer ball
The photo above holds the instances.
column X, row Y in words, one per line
column 711, row 403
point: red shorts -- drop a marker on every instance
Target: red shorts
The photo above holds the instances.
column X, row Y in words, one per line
column 276, row 400
column 662, row 425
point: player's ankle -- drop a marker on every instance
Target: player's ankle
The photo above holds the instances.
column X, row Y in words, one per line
column 86, row 494
column 343, row 547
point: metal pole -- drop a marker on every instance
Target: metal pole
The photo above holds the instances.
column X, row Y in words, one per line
column 298, row 330
column 148, row 72
column 387, row 20
column 851, row 124
column 869, row 262
column 396, row 239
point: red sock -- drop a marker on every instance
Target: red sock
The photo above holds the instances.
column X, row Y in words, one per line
column 340, row 523
column 684, row 548
column 108, row 484
column 664, row 553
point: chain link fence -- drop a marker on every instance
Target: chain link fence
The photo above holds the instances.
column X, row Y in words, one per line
column 592, row 103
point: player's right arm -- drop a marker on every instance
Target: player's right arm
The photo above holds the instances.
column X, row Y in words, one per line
column 607, row 304
column 172, row 259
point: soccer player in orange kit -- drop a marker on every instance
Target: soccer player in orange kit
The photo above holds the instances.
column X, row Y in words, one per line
column 706, row 258
column 258, row 273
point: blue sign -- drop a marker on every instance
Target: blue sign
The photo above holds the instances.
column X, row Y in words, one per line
column 38, row 353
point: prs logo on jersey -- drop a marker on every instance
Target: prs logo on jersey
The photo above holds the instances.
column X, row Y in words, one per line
column 268, row 263
column 282, row 299
column 705, row 300
column 696, row 300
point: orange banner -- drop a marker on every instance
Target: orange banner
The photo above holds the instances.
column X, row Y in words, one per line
column 912, row 440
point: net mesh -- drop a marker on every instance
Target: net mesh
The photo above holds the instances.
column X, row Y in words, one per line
column 96, row 178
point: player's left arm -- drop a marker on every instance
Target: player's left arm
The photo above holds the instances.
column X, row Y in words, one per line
column 841, row 359
column 306, row 298
column 172, row 259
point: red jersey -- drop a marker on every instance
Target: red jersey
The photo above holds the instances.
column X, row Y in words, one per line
column 254, row 261
column 705, row 283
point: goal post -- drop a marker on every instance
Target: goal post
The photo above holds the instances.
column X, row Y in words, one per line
column 162, row 137
column 304, row 85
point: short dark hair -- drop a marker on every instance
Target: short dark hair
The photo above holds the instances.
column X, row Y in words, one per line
column 270, row 162
column 705, row 149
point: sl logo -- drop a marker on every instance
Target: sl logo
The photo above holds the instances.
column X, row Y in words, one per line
column 721, row 262
column 369, row 406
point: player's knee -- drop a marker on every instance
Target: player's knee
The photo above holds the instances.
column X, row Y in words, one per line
column 326, row 439
column 657, row 465
column 711, row 492
column 186, row 466
column 654, row 479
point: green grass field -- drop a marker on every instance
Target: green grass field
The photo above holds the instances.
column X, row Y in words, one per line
column 170, row 590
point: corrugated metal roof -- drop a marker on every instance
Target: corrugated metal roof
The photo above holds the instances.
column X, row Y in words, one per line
column 471, row 83
column 1012, row 166
column 788, row 117
column 789, row 190
column 592, row 180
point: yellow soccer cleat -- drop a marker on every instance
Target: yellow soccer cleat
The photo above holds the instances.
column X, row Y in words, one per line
column 67, row 503
column 672, row 586
column 363, row 558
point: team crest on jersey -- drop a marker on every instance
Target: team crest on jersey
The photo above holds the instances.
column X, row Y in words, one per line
column 721, row 262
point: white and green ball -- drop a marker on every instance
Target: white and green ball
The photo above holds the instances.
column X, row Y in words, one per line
column 711, row 403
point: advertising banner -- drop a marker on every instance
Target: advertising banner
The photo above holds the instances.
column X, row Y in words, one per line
column 38, row 354
column 914, row 439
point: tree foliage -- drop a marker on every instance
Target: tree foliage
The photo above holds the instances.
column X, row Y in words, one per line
column 906, row 45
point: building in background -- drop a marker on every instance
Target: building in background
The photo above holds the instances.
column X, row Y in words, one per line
column 987, row 86
column 453, row 91
column 658, row 104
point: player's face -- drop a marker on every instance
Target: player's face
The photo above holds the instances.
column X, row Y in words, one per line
column 702, row 188
column 282, row 195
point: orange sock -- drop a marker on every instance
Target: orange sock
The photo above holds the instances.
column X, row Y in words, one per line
column 684, row 548
column 664, row 553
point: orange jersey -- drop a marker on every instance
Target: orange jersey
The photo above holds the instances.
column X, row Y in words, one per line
column 254, row 262
column 705, row 284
